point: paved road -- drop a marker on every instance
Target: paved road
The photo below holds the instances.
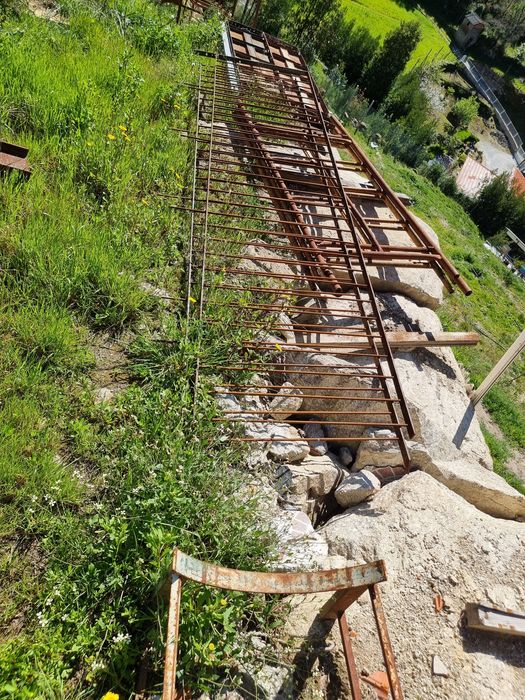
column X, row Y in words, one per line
column 496, row 158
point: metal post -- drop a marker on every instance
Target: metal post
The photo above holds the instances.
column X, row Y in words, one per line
column 172, row 639
column 386, row 646
column 349, row 656
column 496, row 372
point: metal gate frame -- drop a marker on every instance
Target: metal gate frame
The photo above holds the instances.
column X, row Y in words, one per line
column 348, row 584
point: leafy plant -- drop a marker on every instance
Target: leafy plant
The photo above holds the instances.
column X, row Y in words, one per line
column 464, row 111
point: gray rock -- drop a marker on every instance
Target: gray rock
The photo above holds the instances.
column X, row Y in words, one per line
column 319, row 446
column 289, row 447
column 345, row 455
column 479, row 486
column 417, row 526
column 286, row 402
column 103, row 395
column 357, row 488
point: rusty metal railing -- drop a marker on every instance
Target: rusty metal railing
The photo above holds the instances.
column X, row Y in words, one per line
column 347, row 584
column 248, row 11
column 280, row 241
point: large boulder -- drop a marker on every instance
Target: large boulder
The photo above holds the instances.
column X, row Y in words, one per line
column 481, row 487
column 435, row 543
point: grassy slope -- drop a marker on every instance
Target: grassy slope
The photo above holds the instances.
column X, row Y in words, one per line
column 381, row 16
column 94, row 496
column 496, row 306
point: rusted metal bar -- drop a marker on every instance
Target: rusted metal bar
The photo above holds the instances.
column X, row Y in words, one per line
column 349, row 656
column 14, row 158
column 386, row 646
column 172, row 637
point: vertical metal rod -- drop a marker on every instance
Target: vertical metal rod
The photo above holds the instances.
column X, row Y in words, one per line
column 386, row 646
column 349, row 656
column 204, row 241
column 193, row 206
column 172, row 638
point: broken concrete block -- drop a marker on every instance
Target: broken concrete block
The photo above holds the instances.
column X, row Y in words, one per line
column 438, row 667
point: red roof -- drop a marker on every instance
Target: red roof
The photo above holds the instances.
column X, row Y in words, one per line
column 518, row 182
column 473, row 176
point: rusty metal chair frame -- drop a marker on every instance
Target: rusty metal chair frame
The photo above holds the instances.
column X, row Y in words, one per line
column 348, row 584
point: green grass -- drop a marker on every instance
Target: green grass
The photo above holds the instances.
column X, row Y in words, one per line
column 93, row 497
column 382, row 16
column 500, row 453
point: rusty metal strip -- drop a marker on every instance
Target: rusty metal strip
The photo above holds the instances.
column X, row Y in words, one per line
column 386, row 646
column 287, row 583
column 14, row 158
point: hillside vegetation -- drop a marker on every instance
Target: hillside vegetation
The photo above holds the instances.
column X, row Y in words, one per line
column 383, row 16
column 94, row 494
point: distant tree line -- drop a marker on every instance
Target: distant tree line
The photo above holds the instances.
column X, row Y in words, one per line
column 320, row 28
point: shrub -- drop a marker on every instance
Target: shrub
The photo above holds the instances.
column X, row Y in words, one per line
column 464, row 111
column 498, row 206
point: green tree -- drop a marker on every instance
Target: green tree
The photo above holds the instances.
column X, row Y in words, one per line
column 406, row 96
column 464, row 111
column 390, row 60
column 359, row 45
column 307, row 18
column 498, row 206
column 274, row 16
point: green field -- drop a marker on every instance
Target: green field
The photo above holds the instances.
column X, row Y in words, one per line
column 381, row 16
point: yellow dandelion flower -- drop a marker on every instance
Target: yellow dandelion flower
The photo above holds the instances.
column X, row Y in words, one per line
column 122, row 127
column 211, row 646
column 110, row 696
column 193, row 301
column 224, row 601
column 111, row 137
column 278, row 347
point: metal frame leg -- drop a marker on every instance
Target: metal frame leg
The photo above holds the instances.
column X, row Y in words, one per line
column 386, row 646
column 349, row 656
column 172, row 639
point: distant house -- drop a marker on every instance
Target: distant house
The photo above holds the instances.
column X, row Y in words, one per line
column 469, row 30
column 472, row 177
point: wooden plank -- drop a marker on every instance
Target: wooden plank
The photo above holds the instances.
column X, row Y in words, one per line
column 495, row 373
column 488, row 619
column 407, row 339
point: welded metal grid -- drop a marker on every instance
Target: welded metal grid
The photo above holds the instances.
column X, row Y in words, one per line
column 247, row 11
column 279, row 241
